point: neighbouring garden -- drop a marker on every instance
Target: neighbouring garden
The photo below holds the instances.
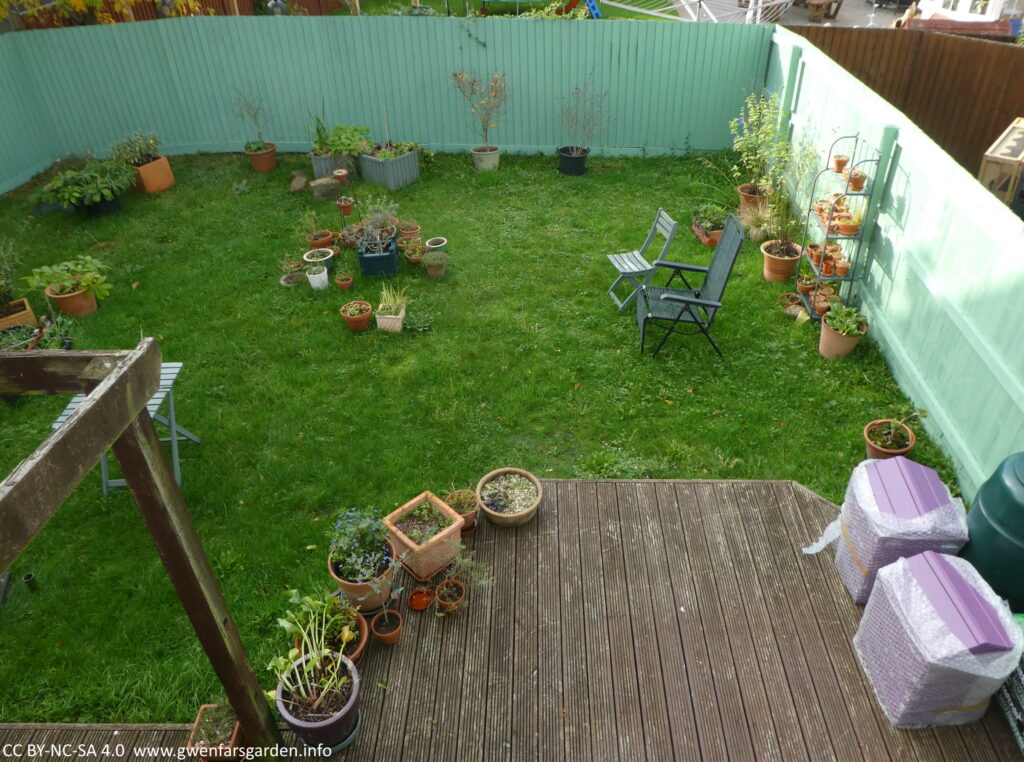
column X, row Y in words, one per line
column 515, row 356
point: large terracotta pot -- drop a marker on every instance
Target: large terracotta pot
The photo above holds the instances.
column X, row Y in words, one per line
column 509, row 519
column 833, row 344
column 332, row 732
column 263, row 161
column 423, row 561
column 874, row 451
column 367, row 596
column 778, row 269
column 749, row 201
column 75, row 304
column 155, row 176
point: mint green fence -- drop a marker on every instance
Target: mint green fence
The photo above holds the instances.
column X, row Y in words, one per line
column 671, row 86
column 946, row 268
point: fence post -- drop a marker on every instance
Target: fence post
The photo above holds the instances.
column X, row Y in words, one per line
column 886, row 156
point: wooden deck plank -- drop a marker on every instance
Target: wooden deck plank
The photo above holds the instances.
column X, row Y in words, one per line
column 603, row 717
column 699, row 679
column 634, row 523
column 712, row 623
column 699, row 632
column 624, row 676
column 526, row 643
column 574, row 597
column 476, row 665
column 665, row 617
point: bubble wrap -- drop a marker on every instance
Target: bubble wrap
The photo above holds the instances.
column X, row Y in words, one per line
column 870, row 539
column 921, row 672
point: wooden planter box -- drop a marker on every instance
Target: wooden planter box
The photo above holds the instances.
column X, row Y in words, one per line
column 426, row 560
column 391, row 173
column 23, row 317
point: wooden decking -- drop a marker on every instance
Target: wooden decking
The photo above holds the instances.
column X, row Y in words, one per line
column 651, row 620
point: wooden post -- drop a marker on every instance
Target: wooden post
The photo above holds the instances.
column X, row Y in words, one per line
column 162, row 506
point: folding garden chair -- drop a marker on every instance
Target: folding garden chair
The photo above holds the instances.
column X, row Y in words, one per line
column 633, row 268
column 673, row 308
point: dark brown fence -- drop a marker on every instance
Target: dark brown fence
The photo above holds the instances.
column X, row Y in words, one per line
column 963, row 92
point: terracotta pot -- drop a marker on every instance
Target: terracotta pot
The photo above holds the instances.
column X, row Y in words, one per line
column 292, row 279
column 826, row 290
column 470, row 516
column 832, row 344
column 76, row 304
column 778, row 269
column 450, row 594
column 421, row 598
column 155, row 176
column 839, row 162
column 749, row 201
column 814, row 250
column 336, row 729
column 359, row 322
column 821, row 306
column 263, row 161
column 708, row 238
column 435, row 271
column 805, row 288
column 214, row 753
column 415, row 260
column 413, row 234
column 366, row 596
column 856, row 180
column 874, row 451
column 345, row 206
column 340, row 176
column 388, row 638
column 842, row 268
column 424, row 560
column 509, row 519
column 827, row 268
column 21, row 314
column 848, row 228
column 356, row 655
column 321, row 239
column 344, row 284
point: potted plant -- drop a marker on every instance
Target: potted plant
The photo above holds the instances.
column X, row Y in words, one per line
column 262, row 155
column 426, row 533
column 318, row 256
column 463, row 502
column 487, row 100
column 343, row 279
column 348, row 632
column 378, row 254
column 317, row 277
column 857, row 178
column 421, row 598
column 351, row 236
column 781, row 254
column 842, row 267
column 815, row 251
column 585, row 118
column 391, row 310
column 841, row 329
column 95, row 187
column 317, row 688
column 336, row 148
column 449, row 595
column 708, row 223
column 409, row 230
column 461, row 575
column 888, row 437
column 75, row 285
column 435, row 260
column 849, row 225
column 509, row 496
column 805, row 282
column 142, row 152
column 412, row 249
column 386, row 624
column 356, row 315
column 215, row 732
column 345, row 204
column 361, row 559
column 764, row 151
column 393, row 165
column 12, row 312
column 839, row 162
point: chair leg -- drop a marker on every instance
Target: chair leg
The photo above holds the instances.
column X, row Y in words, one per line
column 707, row 335
column 173, row 426
column 668, row 332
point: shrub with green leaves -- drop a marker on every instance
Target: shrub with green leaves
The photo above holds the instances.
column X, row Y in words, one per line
column 845, row 320
column 759, row 137
column 137, row 149
column 348, row 139
column 710, row 216
column 96, row 181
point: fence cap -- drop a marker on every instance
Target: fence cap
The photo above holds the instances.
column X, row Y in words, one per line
column 906, row 489
column 962, row 608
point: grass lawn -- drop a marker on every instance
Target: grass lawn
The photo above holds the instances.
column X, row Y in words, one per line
column 527, row 363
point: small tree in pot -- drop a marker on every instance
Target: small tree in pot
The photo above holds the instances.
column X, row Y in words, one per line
column 585, row 118
column 262, row 155
column 487, row 100
column 764, row 151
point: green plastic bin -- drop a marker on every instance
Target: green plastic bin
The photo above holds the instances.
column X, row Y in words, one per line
column 995, row 524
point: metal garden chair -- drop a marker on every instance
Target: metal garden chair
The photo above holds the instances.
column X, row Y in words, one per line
column 673, row 309
column 633, row 268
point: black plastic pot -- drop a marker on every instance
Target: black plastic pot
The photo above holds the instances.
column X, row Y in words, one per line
column 568, row 164
column 103, row 207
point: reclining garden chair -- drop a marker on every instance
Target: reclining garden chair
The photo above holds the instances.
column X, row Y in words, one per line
column 672, row 308
column 632, row 266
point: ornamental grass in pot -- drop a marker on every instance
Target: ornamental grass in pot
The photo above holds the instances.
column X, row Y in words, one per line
column 463, row 502
column 781, row 254
column 391, row 310
column 841, row 329
column 361, row 559
column 509, row 496
column 426, row 533
column 435, row 261
column 317, row 687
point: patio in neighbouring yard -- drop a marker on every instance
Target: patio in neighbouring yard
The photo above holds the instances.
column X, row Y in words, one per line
column 632, row 620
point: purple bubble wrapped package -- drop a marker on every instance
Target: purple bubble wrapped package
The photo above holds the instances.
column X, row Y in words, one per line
column 935, row 641
column 893, row 508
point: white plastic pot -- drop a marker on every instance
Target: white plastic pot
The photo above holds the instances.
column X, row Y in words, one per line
column 318, row 281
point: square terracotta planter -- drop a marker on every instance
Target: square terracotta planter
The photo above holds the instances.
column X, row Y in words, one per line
column 155, row 176
column 23, row 316
column 224, row 751
column 426, row 560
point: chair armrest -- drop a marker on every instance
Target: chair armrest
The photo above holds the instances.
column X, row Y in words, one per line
column 678, row 266
column 689, row 300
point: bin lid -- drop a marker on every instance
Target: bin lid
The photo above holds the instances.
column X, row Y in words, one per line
column 962, row 608
column 906, row 489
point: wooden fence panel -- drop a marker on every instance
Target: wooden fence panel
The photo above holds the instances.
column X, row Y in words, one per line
column 963, row 92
